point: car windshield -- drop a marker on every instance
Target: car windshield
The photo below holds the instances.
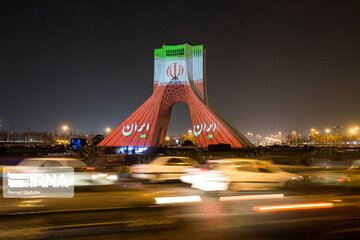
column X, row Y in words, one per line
column 31, row 163
column 269, row 167
column 75, row 164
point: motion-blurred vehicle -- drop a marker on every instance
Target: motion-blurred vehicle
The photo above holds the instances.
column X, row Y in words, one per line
column 52, row 162
column 83, row 175
column 356, row 163
column 195, row 174
column 332, row 178
column 163, row 168
column 115, row 208
column 239, row 174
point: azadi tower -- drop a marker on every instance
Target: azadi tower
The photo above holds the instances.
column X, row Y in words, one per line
column 179, row 76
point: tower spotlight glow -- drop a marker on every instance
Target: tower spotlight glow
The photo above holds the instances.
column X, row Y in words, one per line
column 179, row 76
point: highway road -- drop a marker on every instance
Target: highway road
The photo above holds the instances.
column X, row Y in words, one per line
column 128, row 212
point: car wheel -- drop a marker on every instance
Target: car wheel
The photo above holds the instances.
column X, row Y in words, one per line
column 234, row 187
column 214, row 193
column 156, row 179
column 287, row 184
column 145, row 181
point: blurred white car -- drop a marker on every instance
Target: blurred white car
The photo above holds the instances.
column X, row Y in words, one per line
column 52, row 162
column 83, row 175
column 239, row 174
column 195, row 174
column 163, row 168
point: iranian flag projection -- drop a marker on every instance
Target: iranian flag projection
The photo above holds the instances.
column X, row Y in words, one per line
column 178, row 77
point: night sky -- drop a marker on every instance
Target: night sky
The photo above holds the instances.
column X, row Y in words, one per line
column 271, row 65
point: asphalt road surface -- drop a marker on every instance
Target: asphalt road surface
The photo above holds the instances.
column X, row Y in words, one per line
column 130, row 213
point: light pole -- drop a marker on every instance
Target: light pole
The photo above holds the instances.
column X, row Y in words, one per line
column 312, row 134
column 327, row 136
column 191, row 136
column 352, row 134
column 167, row 140
column 107, row 130
column 65, row 128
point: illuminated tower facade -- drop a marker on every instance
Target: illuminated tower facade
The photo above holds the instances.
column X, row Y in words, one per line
column 179, row 76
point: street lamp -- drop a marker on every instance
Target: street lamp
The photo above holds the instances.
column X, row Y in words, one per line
column 190, row 131
column 108, row 130
column 352, row 131
column 65, row 128
column 327, row 135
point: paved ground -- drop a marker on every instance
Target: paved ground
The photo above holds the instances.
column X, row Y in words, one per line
column 130, row 214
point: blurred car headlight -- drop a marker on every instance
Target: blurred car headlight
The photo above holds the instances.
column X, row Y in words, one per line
column 297, row 178
column 112, row 177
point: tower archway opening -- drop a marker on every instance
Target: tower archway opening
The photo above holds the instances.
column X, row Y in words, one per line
column 178, row 77
column 180, row 120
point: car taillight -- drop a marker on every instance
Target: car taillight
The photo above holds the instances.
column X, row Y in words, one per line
column 259, row 166
column 138, row 170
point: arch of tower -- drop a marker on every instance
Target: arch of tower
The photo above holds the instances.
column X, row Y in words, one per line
column 179, row 75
